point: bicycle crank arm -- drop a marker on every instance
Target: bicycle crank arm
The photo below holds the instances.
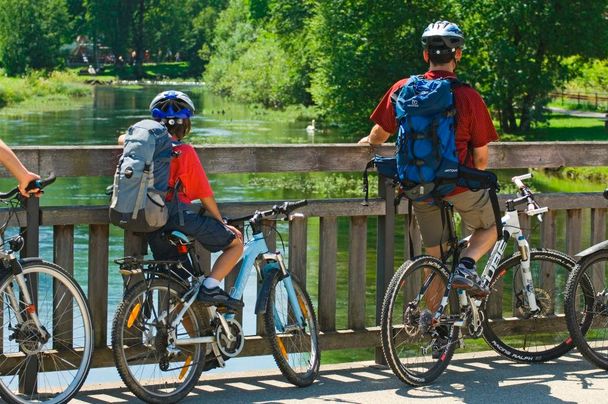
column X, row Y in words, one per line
column 197, row 340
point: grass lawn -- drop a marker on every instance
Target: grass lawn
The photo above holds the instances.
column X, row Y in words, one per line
column 563, row 128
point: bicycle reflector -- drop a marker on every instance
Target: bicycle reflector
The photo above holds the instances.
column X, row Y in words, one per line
column 182, row 249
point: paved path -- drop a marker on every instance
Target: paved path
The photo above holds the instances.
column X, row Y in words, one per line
column 472, row 378
column 582, row 114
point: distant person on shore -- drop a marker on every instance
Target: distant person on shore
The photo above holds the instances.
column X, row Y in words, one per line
column 11, row 162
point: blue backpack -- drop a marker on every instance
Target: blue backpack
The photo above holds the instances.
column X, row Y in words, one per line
column 427, row 162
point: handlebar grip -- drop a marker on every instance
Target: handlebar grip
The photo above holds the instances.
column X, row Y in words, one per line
column 297, row 204
column 40, row 184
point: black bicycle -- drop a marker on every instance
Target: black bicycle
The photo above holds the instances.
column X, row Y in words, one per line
column 47, row 330
column 586, row 303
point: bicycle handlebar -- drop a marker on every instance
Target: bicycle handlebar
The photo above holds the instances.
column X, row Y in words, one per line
column 36, row 184
column 606, row 193
column 285, row 208
column 527, row 196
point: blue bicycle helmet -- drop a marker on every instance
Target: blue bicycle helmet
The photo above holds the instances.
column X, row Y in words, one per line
column 171, row 104
column 442, row 34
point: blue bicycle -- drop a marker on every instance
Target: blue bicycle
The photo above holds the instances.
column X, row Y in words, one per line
column 163, row 339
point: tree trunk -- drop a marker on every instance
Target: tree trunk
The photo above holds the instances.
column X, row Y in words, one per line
column 139, row 41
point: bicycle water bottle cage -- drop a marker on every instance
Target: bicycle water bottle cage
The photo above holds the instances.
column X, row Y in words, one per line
column 180, row 240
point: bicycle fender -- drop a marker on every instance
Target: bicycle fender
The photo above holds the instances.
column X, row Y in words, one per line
column 260, row 304
column 592, row 249
column 28, row 260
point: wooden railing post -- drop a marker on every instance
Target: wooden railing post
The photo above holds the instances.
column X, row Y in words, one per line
column 328, row 249
column 63, row 255
column 297, row 248
column 98, row 281
column 356, row 272
column 385, row 250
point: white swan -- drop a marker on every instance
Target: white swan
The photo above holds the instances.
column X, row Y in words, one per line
column 311, row 128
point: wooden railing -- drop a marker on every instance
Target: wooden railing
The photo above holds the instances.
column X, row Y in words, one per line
column 94, row 161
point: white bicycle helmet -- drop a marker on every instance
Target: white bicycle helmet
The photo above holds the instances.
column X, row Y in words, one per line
column 442, row 34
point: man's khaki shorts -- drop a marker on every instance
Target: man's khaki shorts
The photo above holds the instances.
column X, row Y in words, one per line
column 474, row 208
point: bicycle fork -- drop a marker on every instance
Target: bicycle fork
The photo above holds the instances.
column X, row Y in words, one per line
column 26, row 305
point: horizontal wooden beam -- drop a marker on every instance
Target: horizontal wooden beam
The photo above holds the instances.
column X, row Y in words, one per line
column 71, row 161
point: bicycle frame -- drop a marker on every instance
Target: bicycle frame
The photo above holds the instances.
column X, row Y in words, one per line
column 254, row 249
column 511, row 229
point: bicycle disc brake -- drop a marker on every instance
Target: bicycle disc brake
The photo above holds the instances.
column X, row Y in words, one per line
column 475, row 318
column 230, row 347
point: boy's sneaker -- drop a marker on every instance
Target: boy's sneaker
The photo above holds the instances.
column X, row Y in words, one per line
column 217, row 297
column 467, row 278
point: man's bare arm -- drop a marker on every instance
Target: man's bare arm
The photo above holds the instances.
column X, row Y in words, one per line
column 480, row 157
column 376, row 136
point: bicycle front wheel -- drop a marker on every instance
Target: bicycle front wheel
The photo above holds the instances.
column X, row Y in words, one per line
column 416, row 347
column 509, row 325
column 48, row 366
column 294, row 342
column 153, row 368
column 587, row 307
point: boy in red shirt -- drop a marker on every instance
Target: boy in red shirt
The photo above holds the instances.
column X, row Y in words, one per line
column 174, row 109
column 442, row 42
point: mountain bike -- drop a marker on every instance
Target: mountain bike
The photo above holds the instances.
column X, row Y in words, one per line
column 587, row 303
column 424, row 318
column 47, row 331
column 163, row 339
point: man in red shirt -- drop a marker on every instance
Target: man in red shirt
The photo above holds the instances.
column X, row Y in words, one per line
column 442, row 42
column 188, row 178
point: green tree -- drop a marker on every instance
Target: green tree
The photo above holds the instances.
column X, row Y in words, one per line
column 261, row 52
column 361, row 47
column 111, row 22
column 519, row 50
column 31, row 32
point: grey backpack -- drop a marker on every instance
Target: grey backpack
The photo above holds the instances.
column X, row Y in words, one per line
column 142, row 178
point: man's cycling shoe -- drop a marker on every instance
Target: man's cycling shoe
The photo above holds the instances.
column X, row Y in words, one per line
column 467, row 279
column 218, row 297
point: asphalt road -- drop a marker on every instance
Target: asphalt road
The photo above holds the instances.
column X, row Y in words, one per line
column 471, row 378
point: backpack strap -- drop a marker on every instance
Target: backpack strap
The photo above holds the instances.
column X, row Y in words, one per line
column 142, row 190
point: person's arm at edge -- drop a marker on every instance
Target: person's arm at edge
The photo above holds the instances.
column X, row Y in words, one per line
column 12, row 163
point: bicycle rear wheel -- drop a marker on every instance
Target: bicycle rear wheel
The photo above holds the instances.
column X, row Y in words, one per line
column 294, row 344
column 509, row 326
column 587, row 308
column 152, row 369
column 35, row 367
column 416, row 348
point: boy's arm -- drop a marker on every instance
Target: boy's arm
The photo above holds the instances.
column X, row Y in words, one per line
column 16, row 168
column 211, row 207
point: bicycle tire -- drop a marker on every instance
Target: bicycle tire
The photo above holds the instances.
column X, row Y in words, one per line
column 295, row 351
column 65, row 357
column 140, row 360
column 405, row 342
column 535, row 337
column 586, row 309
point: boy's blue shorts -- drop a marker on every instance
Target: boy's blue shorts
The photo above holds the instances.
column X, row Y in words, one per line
column 211, row 233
